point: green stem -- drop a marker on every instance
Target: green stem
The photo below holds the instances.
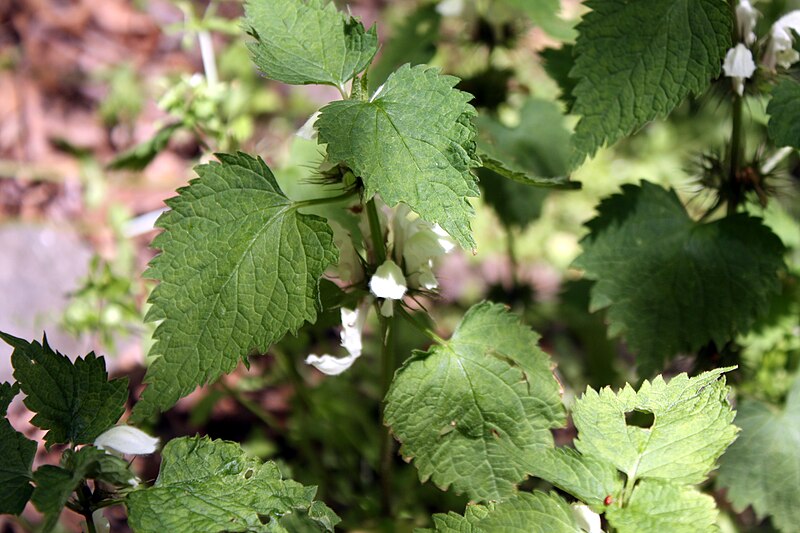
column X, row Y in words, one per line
column 268, row 420
column 324, row 201
column 85, row 499
column 735, row 155
column 512, row 253
column 388, row 365
column 376, row 233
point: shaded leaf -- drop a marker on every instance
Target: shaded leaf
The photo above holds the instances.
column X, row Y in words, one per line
column 672, row 284
column 16, row 458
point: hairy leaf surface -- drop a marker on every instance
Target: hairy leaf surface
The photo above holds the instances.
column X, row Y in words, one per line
column 672, row 284
column 16, row 458
column 637, row 59
column 587, row 478
column 239, row 268
column 690, row 430
column 74, row 402
column 762, row 468
column 412, row 142
column 468, row 410
column 535, row 512
column 657, row 505
column 784, row 114
column 307, row 41
column 211, row 486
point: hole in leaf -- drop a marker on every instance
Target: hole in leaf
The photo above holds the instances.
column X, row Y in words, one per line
column 640, row 419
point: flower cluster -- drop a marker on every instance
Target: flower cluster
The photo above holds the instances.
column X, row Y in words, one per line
column 412, row 248
column 739, row 64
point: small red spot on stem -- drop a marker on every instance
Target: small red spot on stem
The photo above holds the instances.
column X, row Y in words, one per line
column 609, row 500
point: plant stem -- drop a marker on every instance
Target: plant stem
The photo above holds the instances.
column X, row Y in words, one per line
column 268, row 420
column 376, row 233
column 512, row 254
column 387, row 441
column 85, row 499
column 735, row 155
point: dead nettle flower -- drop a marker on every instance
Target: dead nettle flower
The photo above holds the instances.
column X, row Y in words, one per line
column 126, row 440
column 352, row 327
column 780, row 50
column 739, row 66
column 746, row 18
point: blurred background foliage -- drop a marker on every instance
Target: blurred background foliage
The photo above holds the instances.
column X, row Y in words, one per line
column 104, row 111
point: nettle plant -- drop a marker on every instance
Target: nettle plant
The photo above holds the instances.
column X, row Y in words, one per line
column 242, row 265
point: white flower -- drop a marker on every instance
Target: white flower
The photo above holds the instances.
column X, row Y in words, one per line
column 739, row 65
column 418, row 243
column 307, row 131
column 746, row 18
column 101, row 524
column 352, row 327
column 126, row 440
column 586, row 519
column 349, row 267
column 450, row 8
column 388, row 281
column 781, row 37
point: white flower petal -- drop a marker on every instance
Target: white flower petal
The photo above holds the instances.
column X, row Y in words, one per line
column 445, row 240
column 586, row 519
column 739, row 65
column 307, row 131
column 330, row 365
column 101, row 523
column 126, row 440
column 739, row 62
column 427, row 280
column 746, row 18
column 352, row 326
column 388, row 281
column 781, row 36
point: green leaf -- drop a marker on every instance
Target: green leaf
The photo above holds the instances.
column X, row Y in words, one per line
column 588, row 479
column 412, row 142
column 55, row 484
column 691, row 427
column 762, row 468
column 544, row 13
column 672, row 284
column 520, row 160
column 301, row 42
column 239, row 268
column 141, row 155
column 211, row 486
column 663, row 506
column 535, row 512
column 637, row 59
column 784, row 114
column 413, row 41
column 467, row 411
column 558, row 63
column 75, row 402
column 16, row 458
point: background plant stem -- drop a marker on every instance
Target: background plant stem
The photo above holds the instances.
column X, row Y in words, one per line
column 387, row 441
column 735, row 156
